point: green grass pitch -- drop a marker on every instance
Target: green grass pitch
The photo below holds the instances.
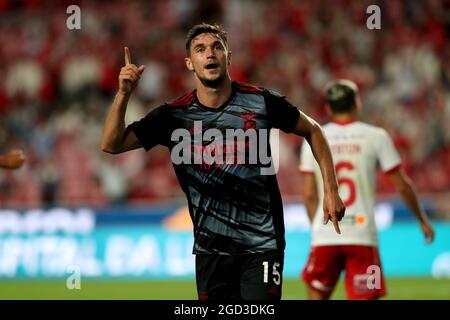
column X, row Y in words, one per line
column 398, row 289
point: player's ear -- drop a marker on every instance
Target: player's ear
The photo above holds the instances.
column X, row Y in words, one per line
column 189, row 64
column 329, row 111
column 229, row 58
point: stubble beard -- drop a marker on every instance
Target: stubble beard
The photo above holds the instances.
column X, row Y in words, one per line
column 215, row 83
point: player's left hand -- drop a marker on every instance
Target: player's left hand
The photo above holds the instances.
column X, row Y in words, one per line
column 428, row 232
column 333, row 209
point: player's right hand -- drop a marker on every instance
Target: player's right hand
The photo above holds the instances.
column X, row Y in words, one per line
column 14, row 159
column 129, row 74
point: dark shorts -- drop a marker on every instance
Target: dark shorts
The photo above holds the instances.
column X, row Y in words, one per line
column 256, row 276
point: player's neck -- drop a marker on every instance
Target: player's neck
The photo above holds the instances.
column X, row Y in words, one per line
column 214, row 97
column 345, row 118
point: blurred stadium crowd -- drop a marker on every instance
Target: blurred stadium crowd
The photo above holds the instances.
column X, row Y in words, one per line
column 56, row 85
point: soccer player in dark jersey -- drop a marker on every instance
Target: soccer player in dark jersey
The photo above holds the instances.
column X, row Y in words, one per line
column 12, row 160
column 235, row 205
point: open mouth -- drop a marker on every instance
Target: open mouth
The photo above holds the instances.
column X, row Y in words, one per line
column 211, row 66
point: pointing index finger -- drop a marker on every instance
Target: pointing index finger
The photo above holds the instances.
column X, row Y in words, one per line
column 336, row 224
column 127, row 56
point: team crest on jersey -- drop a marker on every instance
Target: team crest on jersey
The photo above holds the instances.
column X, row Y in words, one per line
column 249, row 122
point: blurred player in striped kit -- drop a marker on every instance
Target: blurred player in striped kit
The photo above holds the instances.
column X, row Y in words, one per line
column 357, row 148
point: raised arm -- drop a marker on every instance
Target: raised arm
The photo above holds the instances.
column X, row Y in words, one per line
column 405, row 187
column 333, row 206
column 116, row 139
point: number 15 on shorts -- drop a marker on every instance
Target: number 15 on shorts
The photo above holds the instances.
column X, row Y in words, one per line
column 276, row 276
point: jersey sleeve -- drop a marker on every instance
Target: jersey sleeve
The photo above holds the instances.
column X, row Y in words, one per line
column 280, row 112
column 387, row 154
column 153, row 129
column 307, row 161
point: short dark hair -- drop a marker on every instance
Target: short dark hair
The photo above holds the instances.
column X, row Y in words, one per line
column 205, row 28
column 341, row 95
